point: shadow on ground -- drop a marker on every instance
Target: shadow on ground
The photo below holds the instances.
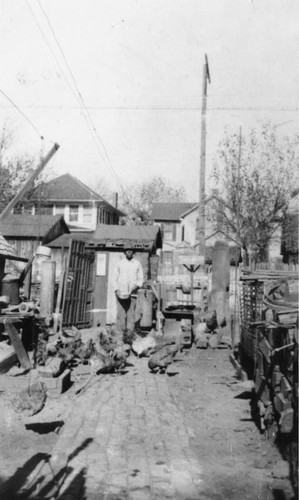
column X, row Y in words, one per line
column 44, row 484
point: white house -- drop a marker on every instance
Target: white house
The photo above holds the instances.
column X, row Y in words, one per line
column 81, row 207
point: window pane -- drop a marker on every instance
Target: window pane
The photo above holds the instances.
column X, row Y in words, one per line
column 87, row 214
column 168, row 228
column 74, row 212
column 59, row 210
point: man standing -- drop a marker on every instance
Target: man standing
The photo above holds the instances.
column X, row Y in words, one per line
column 128, row 278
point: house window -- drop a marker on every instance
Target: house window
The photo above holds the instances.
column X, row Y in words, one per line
column 44, row 210
column 28, row 210
column 74, row 213
column 101, row 216
column 87, row 214
column 169, row 231
column 59, row 210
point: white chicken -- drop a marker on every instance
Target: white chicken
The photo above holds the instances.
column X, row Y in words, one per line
column 142, row 346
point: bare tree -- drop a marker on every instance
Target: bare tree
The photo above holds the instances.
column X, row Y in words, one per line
column 14, row 170
column 256, row 178
column 137, row 199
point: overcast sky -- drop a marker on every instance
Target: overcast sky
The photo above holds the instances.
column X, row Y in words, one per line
column 135, row 68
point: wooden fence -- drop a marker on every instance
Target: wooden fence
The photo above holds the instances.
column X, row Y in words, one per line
column 78, row 286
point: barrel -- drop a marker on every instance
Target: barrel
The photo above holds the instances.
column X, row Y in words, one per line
column 41, row 254
column 11, row 287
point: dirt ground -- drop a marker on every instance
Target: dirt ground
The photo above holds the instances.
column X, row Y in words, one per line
column 236, row 460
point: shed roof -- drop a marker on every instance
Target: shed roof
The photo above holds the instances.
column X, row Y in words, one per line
column 170, row 211
column 113, row 237
column 45, row 227
column 7, row 251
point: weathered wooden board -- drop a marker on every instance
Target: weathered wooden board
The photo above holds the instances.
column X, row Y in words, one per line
column 18, row 345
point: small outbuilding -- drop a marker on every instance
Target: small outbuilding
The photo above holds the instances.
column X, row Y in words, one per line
column 24, row 234
column 106, row 244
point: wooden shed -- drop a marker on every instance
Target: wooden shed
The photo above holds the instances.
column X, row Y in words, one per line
column 107, row 243
column 7, row 253
column 26, row 232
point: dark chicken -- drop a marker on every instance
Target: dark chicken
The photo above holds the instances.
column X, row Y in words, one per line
column 162, row 358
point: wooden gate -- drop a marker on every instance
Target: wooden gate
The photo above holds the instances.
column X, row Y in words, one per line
column 78, row 286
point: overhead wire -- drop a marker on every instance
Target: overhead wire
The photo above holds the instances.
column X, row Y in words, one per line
column 82, row 103
column 60, row 67
column 79, row 93
column 78, row 97
column 169, row 108
column 22, row 113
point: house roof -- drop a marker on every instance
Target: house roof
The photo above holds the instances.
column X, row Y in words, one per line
column 45, row 227
column 170, row 211
column 114, row 237
column 7, row 251
column 68, row 188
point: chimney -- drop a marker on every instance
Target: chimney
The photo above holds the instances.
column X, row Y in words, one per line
column 115, row 199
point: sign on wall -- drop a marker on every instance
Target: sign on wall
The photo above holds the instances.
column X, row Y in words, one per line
column 101, row 264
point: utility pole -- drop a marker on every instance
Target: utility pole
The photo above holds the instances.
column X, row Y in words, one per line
column 202, row 174
column 238, row 238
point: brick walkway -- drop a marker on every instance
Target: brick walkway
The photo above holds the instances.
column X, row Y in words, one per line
column 144, row 436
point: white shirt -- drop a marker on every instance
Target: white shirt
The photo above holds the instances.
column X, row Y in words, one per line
column 128, row 274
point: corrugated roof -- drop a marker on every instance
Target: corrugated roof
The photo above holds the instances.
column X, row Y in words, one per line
column 170, row 211
column 45, row 227
column 112, row 236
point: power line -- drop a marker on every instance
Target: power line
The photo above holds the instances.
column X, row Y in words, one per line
column 59, row 66
column 22, row 113
column 79, row 93
column 86, row 108
column 162, row 108
column 62, row 73
column 80, row 101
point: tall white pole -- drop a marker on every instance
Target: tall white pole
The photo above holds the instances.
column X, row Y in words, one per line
column 202, row 173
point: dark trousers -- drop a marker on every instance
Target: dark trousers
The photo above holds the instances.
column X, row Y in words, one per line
column 125, row 318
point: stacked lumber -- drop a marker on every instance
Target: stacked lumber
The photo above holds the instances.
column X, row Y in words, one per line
column 269, row 353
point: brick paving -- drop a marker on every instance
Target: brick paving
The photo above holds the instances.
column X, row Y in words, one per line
column 127, row 434
column 143, row 436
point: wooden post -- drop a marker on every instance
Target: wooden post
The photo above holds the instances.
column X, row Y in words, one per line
column 219, row 280
column 18, row 345
column 2, row 267
column 236, row 295
column 202, row 174
column 47, row 287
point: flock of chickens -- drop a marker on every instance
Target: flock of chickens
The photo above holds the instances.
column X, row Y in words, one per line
column 111, row 351
column 109, row 348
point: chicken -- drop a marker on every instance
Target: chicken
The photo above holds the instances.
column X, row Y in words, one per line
column 142, row 346
column 162, row 358
column 111, row 352
column 106, row 363
column 129, row 337
column 201, row 335
column 211, row 321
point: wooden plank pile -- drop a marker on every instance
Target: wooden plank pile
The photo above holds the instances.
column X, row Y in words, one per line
column 268, row 351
